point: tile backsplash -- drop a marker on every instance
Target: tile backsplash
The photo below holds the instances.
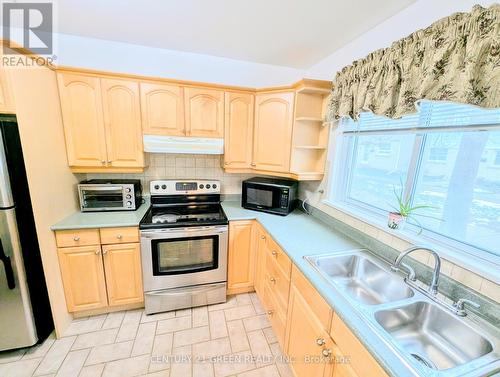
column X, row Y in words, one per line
column 183, row 166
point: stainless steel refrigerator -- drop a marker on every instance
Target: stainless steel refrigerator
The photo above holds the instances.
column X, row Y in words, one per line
column 25, row 316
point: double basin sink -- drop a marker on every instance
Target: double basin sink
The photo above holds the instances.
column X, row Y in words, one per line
column 427, row 333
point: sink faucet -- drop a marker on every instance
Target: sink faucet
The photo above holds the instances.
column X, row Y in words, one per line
column 433, row 288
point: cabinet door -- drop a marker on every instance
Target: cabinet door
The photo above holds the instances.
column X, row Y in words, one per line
column 307, row 343
column 122, row 264
column 273, row 131
column 260, row 258
column 238, row 130
column 83, row 277
column 204, row 112
column 241, row 264
column 122, row 119
column 162, row 109
column 81, row 107
column 6, row 99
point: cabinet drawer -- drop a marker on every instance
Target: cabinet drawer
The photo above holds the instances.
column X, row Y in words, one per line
column 77, row 237
column 278, row 282
column 284, row 263
column 349, row 345
column 119, row 235
column 317, row 303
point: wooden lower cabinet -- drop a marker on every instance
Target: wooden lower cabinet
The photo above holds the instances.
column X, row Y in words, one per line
column 82, row 272
column 308, row 343
column 241, row 257
column 317, row 341
column 260, row 244
column 97, row 276
column 361, row 362
column 122, row 264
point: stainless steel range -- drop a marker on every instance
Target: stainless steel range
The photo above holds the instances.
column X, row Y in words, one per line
column 184, row 245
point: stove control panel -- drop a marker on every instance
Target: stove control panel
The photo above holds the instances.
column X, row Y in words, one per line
column 183, row 187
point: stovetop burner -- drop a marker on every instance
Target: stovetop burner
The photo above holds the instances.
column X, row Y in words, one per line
column 183, row 204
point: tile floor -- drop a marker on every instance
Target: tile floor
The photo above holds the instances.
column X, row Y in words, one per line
column 230, row 339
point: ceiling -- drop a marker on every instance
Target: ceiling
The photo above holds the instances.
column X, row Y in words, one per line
column 292, row 33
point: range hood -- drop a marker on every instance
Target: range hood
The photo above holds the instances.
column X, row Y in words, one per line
column 183, row 144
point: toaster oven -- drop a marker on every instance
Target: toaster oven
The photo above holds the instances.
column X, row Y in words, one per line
column 110, row 195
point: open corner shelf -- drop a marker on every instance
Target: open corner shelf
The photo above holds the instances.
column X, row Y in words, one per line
column 312, row 90
column 317, row 147
column 310, row 119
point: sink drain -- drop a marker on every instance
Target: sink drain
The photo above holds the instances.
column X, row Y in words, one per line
column 424, row 361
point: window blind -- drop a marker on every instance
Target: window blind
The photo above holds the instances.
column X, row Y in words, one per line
column 431, row 114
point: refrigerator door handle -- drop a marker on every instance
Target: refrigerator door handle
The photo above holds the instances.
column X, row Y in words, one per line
column 6, row 199
column 9, row 272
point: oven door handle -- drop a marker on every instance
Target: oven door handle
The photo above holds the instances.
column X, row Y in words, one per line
column 175, row 233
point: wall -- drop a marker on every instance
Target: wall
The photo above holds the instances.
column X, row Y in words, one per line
column 52, row 185
column 417, row 16
column 134, row 59
column 184, row 166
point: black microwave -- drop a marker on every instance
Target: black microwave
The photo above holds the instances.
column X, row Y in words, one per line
column 273, row 195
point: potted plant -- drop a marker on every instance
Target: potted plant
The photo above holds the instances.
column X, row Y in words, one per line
column 403, row 211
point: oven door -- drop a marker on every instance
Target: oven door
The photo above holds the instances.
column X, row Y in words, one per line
column 265, row 198
column 179, row 257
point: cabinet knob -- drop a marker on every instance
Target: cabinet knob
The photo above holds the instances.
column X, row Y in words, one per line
column 262, row 237
column 103, row 162
column 270, row 312
column 110, row 161
column 226, row 163
column 76, row 238
column 253, row 164
column 97, row 252
column 104, row 251
column 272, row 280
column 320, row 341
column 326, row 352
column 274, row 253
column 119, row 236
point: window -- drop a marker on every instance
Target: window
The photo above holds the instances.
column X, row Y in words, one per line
column 445, row 157
column 496, row 160
column 438, row 154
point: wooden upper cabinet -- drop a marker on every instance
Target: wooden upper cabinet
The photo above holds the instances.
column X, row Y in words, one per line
column 238, row 129
column 273, row 131
column 122, row 119
column 122, row 263
column 204, row 109
column 241, row 255
column 81, row 106
column 83, row 277
column 6, row 98
column 162, row 109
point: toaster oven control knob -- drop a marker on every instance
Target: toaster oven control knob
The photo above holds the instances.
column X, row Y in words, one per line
column 127, row 189
column 157, row 187
column 128, row 196
column 201, row 186
column 163, row 187
column 129, row 203
column 207, row 186
column 214, row 186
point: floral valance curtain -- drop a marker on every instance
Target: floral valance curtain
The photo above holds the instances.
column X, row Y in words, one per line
column 455, row 59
